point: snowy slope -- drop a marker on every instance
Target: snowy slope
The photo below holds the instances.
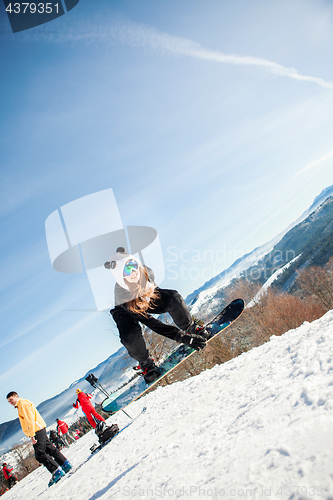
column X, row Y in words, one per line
column 259, row 426
column 269, row 282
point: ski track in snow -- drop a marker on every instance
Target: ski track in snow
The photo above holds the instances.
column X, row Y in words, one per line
column 259, row 426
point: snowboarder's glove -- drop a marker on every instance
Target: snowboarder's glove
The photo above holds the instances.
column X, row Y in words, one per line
column 195, row 341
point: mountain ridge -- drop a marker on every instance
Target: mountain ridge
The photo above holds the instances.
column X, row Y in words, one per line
column 207, row 299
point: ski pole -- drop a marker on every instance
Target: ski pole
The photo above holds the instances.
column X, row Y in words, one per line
column 129, row 416
column 78, row 419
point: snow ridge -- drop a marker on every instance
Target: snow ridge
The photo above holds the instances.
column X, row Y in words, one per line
column 259, row 426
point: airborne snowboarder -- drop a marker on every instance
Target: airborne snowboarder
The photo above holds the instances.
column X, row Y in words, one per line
column 136, row 298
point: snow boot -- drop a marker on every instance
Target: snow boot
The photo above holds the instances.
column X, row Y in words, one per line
column 56, row 476
column 149, row 370
column 66, row 466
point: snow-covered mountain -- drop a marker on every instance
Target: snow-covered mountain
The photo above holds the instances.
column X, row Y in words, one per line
column 207, row 299
column 326, row 193
column 206, row 296
column 259, row 426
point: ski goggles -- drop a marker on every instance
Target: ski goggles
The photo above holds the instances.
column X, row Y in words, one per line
column 130, row 266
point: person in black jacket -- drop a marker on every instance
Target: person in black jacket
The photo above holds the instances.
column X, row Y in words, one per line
column 56, row 440
column 136, row 298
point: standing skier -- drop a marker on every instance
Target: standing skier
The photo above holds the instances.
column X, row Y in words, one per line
column 7, row 472
column 34, row 427
column 62, row 430
column 83, row 399
column 136, row 298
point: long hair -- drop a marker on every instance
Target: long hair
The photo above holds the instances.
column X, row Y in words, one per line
column 145, row 295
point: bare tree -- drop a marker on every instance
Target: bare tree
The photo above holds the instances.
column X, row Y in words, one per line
column 25, row 458
column 158, row 346
column 318, row 282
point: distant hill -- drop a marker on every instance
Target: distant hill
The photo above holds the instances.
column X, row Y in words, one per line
column 311, row 241
column 308, row 243
column 310, row 238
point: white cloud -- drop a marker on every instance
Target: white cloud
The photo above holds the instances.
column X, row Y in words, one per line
column 162, row 41
column 41, row 316
column 137, row 35
column 45, row 350
column 316, row 162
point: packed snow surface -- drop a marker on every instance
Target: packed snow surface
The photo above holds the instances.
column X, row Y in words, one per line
column 259, row 426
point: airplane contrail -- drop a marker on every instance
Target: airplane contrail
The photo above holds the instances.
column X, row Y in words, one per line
column 138, row 35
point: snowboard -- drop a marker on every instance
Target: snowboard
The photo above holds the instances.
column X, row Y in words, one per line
column 138, row 387
column 97, row 447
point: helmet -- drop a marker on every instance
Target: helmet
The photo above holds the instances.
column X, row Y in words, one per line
column 78, row 391
column 117, row 263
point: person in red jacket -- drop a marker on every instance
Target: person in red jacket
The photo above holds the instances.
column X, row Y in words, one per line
column 7, row 472
column 62, row 430
column 77, row 434
column 83, row 399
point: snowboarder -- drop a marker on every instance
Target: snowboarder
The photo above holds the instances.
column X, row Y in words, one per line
column 7, row 472
column 62, row 430
column 34, row 427
column 136, row 298
column 83, row 399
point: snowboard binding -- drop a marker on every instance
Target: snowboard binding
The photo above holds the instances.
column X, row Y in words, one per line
column 103, row 431
column 148, row 370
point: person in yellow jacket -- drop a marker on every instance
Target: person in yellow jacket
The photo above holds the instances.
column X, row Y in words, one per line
column 34, row 427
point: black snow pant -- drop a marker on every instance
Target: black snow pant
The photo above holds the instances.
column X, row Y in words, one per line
column 11, row 481
column 169, row 301
column 46, row 453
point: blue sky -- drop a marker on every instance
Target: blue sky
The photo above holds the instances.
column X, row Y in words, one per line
column 210, row 120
